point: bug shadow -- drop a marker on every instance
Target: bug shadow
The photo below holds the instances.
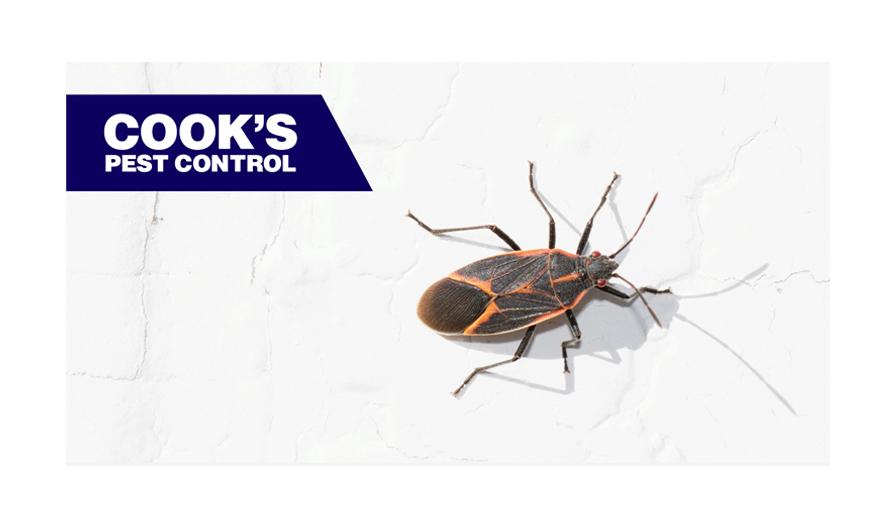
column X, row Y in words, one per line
column 611, row 328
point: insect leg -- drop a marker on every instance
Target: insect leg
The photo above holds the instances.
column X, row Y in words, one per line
column 628, row 296
column 493, row 228
column 520, row 351
column 576, row 334
column 531, row 184
column 586, row 234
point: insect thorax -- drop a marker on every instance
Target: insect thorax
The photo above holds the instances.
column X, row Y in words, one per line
column 599, row 268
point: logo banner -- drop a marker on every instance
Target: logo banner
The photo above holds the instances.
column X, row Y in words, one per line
column 206, row 142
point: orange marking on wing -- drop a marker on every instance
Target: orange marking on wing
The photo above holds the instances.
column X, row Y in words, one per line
column 489, row 311
column 577, row 299
column 547, row 316
column 529, row 290
column 530, row 252
column 571, row 277
column 533, row 252
column 470, row 331
column 564, row 253
column 484, row 285
column 492, row 309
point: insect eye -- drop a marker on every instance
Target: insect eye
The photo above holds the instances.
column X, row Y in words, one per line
column 601, row 282
column 596, row 254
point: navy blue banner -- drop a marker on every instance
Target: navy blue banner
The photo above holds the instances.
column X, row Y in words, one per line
column 206, row 142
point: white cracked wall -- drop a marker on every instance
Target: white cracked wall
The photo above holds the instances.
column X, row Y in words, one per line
column 281, row 327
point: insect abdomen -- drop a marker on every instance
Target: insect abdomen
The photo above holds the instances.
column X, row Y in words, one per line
column 449, row 306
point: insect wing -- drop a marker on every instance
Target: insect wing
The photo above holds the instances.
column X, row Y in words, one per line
column 515, row 311
column 505, row 273
column 449, row 306
column 500, row 294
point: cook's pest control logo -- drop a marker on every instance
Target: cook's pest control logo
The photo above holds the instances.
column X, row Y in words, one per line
column 206, row 142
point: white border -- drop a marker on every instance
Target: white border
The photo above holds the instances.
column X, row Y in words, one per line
column 38, row 487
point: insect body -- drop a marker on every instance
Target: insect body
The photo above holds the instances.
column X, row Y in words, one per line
column 512, row 291
column 520, row 289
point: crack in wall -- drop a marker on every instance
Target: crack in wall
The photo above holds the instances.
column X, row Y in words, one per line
column 153, row 221
column 142, row 274
column 439, row 114
column 258, row 258
column 761, row 278
column 269, row 363
column 437, row 455
column 619, row 400
column 697, row 197
column 395, row 448
column 147, row 77
column 665, row 444
column 802, row 272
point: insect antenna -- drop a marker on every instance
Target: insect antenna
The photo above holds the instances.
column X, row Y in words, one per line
column 639, row 295
column 645, row 214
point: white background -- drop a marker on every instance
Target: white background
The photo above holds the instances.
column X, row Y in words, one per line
column 849, row 490
column 280, row 327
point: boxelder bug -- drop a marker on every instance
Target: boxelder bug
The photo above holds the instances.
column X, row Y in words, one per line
column 521, row 289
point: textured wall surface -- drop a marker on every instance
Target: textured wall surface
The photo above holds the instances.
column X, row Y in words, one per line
column 281, row 327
